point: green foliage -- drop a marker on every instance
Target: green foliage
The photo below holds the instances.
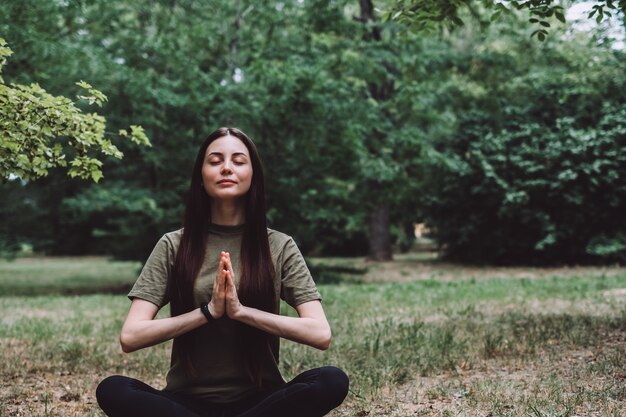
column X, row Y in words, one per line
column 348, row 115
column 112, row 216
column 535, row 177
column 31, row 120
column 430, row 15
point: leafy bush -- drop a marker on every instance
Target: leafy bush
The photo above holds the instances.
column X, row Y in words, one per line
column 534, row 170
column 532, row 194
column 114, row 219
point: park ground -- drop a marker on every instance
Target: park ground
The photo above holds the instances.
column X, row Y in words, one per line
column 417, row 337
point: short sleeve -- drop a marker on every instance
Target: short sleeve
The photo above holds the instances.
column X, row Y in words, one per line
column 297, row 285
column 151, row 285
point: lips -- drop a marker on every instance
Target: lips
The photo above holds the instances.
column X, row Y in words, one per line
column 226, row 182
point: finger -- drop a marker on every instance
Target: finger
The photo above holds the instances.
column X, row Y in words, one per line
column 221, row 279
column 216, row 285
column 226, row 258
column 231, row 293
column 229, row 264
column 222, row 263
column 230, row 282
column 219, row 283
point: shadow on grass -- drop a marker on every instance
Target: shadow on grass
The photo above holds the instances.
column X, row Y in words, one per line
column 335, row 274
column 112, row 289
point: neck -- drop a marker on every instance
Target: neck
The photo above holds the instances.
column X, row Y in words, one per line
column 228, row 213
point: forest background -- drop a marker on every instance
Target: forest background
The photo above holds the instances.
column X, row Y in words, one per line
column 511, row 150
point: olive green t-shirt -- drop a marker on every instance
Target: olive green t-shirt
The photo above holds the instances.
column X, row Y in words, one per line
column 221, row 375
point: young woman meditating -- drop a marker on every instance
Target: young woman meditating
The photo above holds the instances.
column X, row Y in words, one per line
column 223, row 275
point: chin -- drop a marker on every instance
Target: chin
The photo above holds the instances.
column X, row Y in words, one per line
column 226, row 196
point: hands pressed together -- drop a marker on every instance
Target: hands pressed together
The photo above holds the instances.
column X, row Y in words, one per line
column 224, row 299
column 141, row 329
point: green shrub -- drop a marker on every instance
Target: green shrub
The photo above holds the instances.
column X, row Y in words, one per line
column 537, row 175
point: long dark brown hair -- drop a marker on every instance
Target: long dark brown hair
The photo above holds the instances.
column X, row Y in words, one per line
column 256, row 285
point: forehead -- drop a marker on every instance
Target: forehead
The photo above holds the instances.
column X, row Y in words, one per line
column 227, row 145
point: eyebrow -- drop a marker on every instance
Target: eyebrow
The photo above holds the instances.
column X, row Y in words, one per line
column 221, row 154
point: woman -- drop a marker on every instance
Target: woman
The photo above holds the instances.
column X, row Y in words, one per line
column 223, row 274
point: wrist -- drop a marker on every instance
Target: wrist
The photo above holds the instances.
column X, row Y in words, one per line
column 215, row 312
column 205, row 308
column 240, row 312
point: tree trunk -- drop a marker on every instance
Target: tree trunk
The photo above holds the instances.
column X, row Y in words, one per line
column 379, row 239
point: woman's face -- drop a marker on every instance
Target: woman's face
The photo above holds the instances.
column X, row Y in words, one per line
column 227, row 169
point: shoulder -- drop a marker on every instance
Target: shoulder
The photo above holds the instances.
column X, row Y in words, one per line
column 279, row 241
column 276, row 237
column 173, row 237
column 170, row 241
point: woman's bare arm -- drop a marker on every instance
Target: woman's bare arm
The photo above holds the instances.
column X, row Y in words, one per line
column 141, row 330
column 310, row 328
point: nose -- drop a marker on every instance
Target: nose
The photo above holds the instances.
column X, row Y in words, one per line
column 226, row 167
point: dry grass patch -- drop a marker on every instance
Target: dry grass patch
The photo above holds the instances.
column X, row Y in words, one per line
column 552, row 383
column 429, row 339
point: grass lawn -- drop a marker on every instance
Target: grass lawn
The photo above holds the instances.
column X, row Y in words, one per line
column 66, row 276
column 417, row 338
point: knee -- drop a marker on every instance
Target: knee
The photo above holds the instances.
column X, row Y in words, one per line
column 336, row 384
column 109, row 389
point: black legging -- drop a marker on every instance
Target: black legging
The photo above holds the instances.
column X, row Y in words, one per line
column 311, row 394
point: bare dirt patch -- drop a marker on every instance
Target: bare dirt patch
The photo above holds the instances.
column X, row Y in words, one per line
column 615, row 293
column 64, row 393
